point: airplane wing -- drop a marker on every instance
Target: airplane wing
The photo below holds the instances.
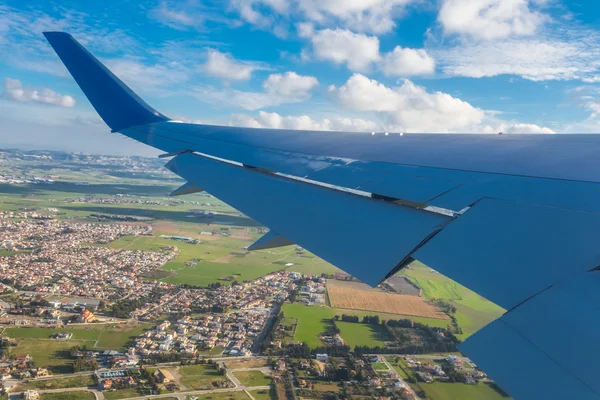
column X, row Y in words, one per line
column 515, row 218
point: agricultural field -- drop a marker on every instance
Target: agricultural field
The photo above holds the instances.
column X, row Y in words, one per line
column 53, row 354
column 230, row 395
column 61, row 383
column 347, row 295
column 472, row 311
column 82, row 395
column 362, row 334
column 99, row 336
column 314, row 320
column 200, row 376
column 253, row 378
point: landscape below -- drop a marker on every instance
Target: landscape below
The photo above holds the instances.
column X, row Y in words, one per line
column 100, row 269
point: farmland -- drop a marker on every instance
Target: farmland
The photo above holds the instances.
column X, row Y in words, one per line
column 362, row 334
column 200, row 376
column 472, row 311
column 253, row 378
column 314, row 320
column 344, row 295
column 98, row 336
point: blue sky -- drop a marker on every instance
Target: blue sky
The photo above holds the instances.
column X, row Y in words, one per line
column 517, row 66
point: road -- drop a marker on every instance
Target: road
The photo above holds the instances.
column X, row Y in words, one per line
column 410, row 390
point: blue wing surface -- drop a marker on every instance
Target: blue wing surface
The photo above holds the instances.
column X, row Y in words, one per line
column 513, row 217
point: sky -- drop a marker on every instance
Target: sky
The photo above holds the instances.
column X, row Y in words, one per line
column 485, row 66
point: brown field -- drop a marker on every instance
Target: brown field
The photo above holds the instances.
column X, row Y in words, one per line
column 352, row 296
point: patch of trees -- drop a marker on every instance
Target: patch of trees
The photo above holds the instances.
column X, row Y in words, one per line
column 123, row 308
column 270, row 331
column 81, row 364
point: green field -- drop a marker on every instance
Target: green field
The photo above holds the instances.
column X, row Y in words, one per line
column 99, row 336
column 314, row 320
column 52, row 354
column 362, row 334
column 233, row 395
column 263, row 394
column 253, row 378
column 453, row 391
column 68, row 396
column 61, row 383
column 200, row 376
column 472, row 311
column 121, row 394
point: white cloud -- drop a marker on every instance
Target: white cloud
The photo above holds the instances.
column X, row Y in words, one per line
column 143, row 78
column 369, row 16
column 223, row 65
column 522, row 128
column 409, row 107
column 278, row 89
column 14, row 90
column 490, row 19
column 173, row 17
column 303, row 122
column 372, row 16
column 407, row 62
column 560, row 56
column 357, row 51
column 290, row 84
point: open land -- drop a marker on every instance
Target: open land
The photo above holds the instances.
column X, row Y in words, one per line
column 346, row 295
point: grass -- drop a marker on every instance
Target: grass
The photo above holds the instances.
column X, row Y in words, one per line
column 314, row 320
column 61, row 383
column 200, row 376
column 380, row 367
column 452, row 391
column 233, row 395
column 52, row 354
column 472, row 311
column 264, row 394
column 121, row 394
column 253, row 378
column 68, row 396
column 108, row 337
column 362, row 334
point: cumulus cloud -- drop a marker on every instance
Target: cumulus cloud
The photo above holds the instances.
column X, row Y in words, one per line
column 278, row 89
column 224, row 66
column 290, row 84
column 518, row 128
column 409, row 107
column 372, row 16
column 490, row 19
column 369, row 16
column 358, row 51
column 407, row 62
column 145, row 78
column 303, row 122
column 571, row 55
column 14, row 90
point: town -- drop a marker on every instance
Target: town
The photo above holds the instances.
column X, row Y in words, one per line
column 114, row 296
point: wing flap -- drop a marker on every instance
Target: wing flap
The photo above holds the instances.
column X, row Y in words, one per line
column 367, row 238
column 508, row 252
column 546, row 347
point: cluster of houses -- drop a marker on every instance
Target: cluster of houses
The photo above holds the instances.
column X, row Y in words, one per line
column 115, row 379
column 22, row 367
column 65, row 263
column 262, row 293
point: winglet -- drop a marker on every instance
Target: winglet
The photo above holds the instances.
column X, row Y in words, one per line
column 116, row 103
